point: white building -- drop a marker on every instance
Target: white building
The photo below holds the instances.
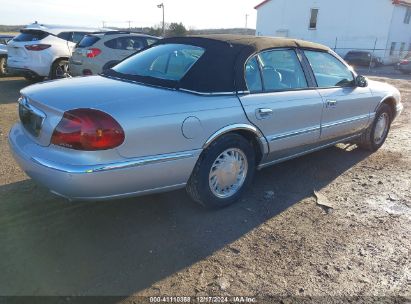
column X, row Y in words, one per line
column 383, row 25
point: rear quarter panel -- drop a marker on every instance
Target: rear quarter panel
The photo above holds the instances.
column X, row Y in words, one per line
column 172, row 121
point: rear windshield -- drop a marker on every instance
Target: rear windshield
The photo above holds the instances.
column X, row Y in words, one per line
column 30, row 35
column 87, row 41
column 164, row 61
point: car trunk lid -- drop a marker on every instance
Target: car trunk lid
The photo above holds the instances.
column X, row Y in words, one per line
column 52, row 98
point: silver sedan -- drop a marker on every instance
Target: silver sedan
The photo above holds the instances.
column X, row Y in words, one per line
column 196, row 112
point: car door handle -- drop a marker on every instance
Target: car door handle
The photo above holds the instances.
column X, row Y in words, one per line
column 263, row 113
column 331, row 103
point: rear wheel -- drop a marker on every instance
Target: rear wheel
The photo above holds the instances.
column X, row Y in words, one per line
column 2, row 66
column 223, row 172
column 60, row 69
column 375, row 135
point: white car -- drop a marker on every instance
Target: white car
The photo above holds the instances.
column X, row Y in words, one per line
column 41, row 51
column 100, row 51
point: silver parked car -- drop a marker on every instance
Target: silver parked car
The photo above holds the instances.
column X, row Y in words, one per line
column 100, row 51
column 196, row 112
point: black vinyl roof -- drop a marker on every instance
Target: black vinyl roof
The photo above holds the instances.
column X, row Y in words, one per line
column 221, row 67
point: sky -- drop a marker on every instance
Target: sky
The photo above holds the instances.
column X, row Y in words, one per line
column 194, row 14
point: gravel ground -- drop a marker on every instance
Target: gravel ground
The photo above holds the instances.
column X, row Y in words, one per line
column 276, row 242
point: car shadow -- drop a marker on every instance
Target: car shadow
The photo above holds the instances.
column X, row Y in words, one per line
column 10, row 88
column 53, row 247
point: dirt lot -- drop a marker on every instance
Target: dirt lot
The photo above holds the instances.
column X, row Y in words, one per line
column 276, row 242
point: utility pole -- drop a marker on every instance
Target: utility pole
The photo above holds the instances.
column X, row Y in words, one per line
column 104, row 24
column 162, row 6
column 129, row 24
column 246, row 21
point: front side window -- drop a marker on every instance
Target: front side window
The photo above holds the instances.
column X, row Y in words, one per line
column 313, row 19
column 164, row 61
column 281, row 70
column 328, row 70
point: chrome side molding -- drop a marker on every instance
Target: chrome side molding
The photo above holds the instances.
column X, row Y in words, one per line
column 135, row 162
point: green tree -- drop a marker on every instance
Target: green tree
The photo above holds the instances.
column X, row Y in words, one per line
column 176, row 29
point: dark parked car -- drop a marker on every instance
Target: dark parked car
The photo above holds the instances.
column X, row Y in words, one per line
column 404, row 66
column 362, row 58
column 4, row 39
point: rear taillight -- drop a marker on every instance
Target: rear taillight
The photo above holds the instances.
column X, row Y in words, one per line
column 93, row 52
column 37, row 47
column 89, row 130
column 405, row 61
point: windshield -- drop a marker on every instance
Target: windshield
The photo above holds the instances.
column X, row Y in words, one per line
column 164, row 61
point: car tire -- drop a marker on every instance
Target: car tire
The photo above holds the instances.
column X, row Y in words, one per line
column 3, row 69
column 229, row 162
column 60, row 69
column 375, row 135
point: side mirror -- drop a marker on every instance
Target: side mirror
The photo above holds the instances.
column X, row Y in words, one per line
column 361, row 81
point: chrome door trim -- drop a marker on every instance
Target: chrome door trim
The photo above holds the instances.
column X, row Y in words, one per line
column 135, row 162
column 294, row 133
column 344, row 121
column 206, row 93
column 263, row 165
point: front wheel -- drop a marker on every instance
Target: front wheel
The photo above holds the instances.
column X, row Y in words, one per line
column 375, row 135
column 223, row 172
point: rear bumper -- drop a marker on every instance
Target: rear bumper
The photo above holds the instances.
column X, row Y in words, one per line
column 128, row 177
column 23, row 68
column 76, row 69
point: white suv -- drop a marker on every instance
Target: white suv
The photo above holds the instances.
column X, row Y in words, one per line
column 43, row 50
column 100, row 51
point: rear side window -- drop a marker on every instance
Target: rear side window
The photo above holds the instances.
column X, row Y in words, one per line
column 126, row 43
column 281, row 70
column 30, row 35
column 65, row 35
column 88, row 41
column 253, row 76
column 165, row 61
column 328, row 70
